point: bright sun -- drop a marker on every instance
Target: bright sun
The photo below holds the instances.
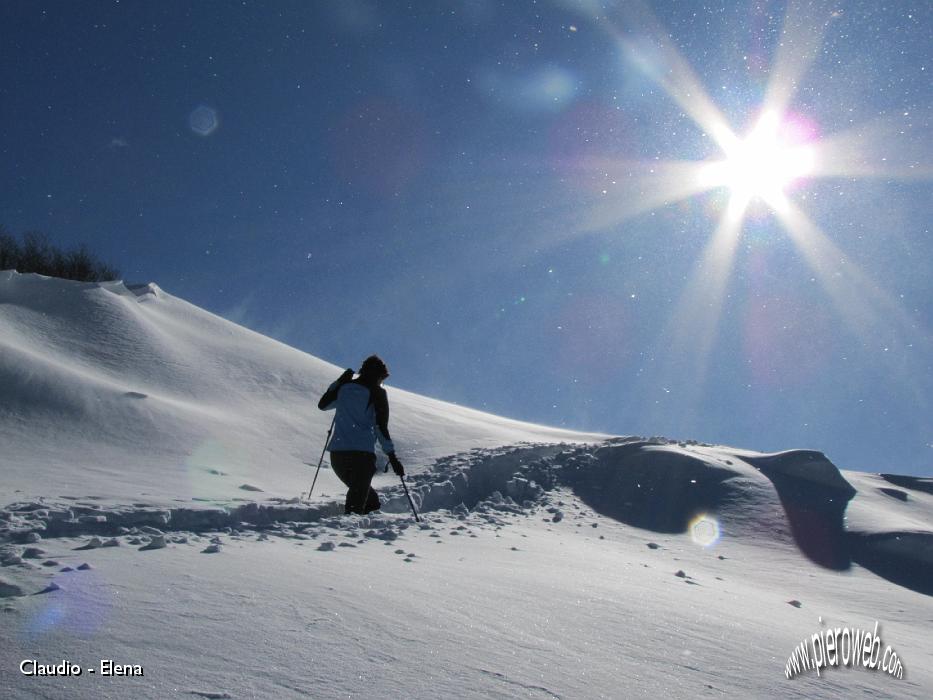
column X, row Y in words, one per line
column 761, row 165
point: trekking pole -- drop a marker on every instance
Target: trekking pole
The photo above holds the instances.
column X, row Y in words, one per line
column 410, row 502
column 321, row 460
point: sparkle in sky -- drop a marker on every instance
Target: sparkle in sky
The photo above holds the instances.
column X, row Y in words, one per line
column 703, row 220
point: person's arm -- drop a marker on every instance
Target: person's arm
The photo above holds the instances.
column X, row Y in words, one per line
column 381, row 404
column 330, row 396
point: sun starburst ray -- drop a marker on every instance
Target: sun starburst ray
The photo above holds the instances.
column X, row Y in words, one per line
column 671, row 71
column 633, row 188
column 690, row 334
column 862, row 303
column 881, row 149
column 801, row 39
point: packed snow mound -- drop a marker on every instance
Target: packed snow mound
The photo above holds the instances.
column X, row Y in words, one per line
column 710, row 493
column 795, row 500
column 128, row 392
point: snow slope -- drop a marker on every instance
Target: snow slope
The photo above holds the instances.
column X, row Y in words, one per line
column 567, row 566
column 131, row 393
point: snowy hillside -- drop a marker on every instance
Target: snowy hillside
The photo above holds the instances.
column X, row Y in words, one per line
column 548, row 564
column 133, row 393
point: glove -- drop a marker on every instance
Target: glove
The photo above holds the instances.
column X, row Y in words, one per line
column 396, row 465
column 345, row 377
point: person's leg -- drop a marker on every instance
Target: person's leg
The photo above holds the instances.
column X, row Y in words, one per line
column 344, row 464
column 340, row 463
column 356, row 470
column 372, row 501
column 365, row 499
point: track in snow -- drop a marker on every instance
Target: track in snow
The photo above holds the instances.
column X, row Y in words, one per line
column 798, row 498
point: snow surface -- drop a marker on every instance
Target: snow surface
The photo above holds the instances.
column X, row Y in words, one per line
column 136, row 429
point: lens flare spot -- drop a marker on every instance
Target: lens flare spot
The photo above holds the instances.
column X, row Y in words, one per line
column 203, row 120
column 80, row 606
column 704, row 530
column 547, row 89
column 552, row 85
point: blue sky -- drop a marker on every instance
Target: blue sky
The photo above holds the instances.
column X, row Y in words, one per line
column 501, row 198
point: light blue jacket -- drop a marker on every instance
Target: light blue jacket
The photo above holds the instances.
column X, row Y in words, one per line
column 362, row 417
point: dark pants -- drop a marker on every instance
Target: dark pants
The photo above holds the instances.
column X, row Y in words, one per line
column 356, row 470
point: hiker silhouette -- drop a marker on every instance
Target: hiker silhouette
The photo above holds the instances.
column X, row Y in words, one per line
column 362, row 418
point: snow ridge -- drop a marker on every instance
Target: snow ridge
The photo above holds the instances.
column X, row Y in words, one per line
column 651, row 484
